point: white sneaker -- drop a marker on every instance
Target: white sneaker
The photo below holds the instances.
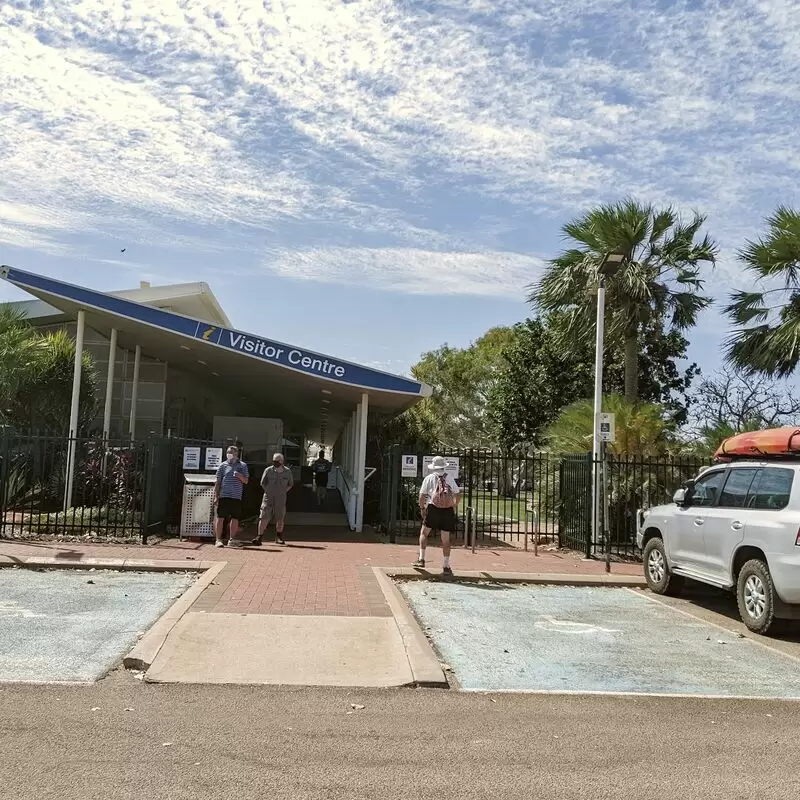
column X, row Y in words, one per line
column 219, row 543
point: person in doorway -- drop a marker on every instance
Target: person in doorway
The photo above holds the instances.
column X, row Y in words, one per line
column 322, row 469
column 232, row 477
column 276, row 482
column 438, row 500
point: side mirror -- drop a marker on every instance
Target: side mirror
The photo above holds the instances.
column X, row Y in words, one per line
column 683, row 497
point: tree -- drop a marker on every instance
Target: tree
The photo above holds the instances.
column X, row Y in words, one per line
column 540, row 378
column 660, row 279
column 732, row 401
column 642, row 429
column 463, row 381
column 17, row 353
column 36, row 377
column 544, row 373
column 768, row 319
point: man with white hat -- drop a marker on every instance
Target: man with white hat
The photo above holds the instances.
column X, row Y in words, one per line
column 438, row 499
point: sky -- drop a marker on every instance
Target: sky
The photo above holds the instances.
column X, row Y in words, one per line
column 373, row 178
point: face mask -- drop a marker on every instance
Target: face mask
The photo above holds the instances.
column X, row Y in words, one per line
column 231, row 459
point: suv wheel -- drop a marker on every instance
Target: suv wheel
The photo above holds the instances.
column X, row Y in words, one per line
column 656, row 569
column 755, row 594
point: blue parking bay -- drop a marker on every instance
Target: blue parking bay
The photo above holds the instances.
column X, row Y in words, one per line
column 74, row 625
column 575, row 639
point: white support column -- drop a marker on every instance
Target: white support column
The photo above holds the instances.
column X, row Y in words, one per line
column 137, row 362
column 352, row 501
column 74, row 409
column 112, row 360
column 351, row 448
column 361, row 459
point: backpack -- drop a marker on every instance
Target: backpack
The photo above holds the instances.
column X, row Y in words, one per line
column 442, row 496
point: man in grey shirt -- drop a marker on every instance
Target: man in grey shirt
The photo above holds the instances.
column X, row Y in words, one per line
column 276, row 482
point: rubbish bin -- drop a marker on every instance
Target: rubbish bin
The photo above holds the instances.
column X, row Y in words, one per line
column 306, row 475
column 197, row 515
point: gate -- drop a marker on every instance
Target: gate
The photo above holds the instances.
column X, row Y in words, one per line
column 575, row 503
column 160, row 486
column 508, row 498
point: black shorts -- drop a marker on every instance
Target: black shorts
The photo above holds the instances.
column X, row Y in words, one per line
column 229, row 508
column 440, row 519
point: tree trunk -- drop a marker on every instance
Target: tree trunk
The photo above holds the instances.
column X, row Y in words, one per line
column 632, row 366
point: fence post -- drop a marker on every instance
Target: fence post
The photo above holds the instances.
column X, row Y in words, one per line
column 147, row 484
column 592, row 476
column 394, row 484
column 3, row 478
column 606, row 507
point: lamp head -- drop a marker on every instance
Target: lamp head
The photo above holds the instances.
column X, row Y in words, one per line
column 612, row 263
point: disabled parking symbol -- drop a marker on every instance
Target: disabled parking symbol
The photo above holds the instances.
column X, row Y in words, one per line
column 570, row 627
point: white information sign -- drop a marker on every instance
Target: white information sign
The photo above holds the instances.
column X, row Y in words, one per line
column 213, row 458
column 452, row 468
column 410, row 467
column 607, row 427
column 191, row 458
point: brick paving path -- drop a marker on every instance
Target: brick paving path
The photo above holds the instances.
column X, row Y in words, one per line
column 321, row 572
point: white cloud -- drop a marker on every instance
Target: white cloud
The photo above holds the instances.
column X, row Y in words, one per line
column 413, row 271
column 368, row 119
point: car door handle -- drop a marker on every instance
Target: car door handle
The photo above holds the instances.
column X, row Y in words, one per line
column 699, row 521
column 737, row 526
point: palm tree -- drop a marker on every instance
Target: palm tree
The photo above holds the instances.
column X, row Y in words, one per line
column 17, row 356
column 661, row 276
column 36, row 376
column 768, row 320
column 643, row 430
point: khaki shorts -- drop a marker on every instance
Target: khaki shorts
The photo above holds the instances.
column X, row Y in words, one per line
column 273, row 508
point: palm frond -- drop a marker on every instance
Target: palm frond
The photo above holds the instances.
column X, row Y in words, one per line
column 686, row 306
column 773, row 351
column 747, row 307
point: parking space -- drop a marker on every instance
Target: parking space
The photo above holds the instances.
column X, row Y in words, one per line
column 74, row 625
column 546, row 638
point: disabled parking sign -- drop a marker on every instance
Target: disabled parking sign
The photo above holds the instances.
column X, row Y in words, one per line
column 409, row 467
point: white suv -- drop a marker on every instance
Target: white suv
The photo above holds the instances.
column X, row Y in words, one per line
column 735, row 526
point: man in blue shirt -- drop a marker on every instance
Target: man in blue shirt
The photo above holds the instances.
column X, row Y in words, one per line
column 232, row 476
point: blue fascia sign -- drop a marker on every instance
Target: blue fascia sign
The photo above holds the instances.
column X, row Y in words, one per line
column 284, row 355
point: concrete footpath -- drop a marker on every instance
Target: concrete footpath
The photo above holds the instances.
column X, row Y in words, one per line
column 320, row 611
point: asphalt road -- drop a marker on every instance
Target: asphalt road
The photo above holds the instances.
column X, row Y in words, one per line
column 217, row 742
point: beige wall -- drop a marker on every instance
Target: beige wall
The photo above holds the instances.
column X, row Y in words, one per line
column 152, row 386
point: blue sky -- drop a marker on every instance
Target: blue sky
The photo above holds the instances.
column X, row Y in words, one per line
column 372, row 178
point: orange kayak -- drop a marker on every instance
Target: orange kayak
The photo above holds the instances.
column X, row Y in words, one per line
column 773, row 442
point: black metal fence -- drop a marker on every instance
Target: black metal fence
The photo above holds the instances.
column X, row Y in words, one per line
column 511, row 500
column 108, row 488
column 121, row 489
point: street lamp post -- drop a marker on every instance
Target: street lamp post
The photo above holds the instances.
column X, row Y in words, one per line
column 610, row 266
